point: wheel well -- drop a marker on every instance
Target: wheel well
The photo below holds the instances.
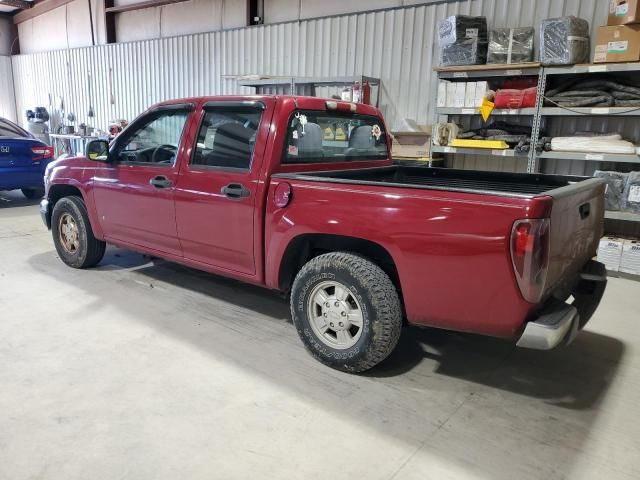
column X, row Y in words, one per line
column 305, row 247
column 56, row 192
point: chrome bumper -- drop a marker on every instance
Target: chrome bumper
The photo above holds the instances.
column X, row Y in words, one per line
column 44, row 213
column 561, row 322
column 551, row 328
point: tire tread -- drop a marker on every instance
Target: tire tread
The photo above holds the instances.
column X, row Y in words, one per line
column 95, row 248
column 387, row 324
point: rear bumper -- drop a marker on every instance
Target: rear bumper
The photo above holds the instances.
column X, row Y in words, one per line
column 560, row 322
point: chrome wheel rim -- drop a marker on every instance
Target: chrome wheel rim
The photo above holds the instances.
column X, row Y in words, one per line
column 335, row 315
column 68, row 233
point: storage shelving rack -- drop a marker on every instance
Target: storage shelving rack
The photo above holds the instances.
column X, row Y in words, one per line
column 546, row 116
column 488, row 72
column 625, row 223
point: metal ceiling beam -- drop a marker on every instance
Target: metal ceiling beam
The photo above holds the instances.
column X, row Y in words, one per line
column 141, row 5
column 21, row 4
column 38, row 9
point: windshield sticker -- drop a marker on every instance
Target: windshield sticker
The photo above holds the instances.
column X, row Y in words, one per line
column 295, row 134
column 302, row 119
column 293, row 150
column 376, row 132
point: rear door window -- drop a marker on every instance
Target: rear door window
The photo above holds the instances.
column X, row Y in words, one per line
column 227, row 138
column 318, row 136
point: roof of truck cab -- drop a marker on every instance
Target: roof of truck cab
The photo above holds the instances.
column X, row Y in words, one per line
column 299, row 102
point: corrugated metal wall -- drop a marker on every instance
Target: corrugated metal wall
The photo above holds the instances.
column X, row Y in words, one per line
column 7, row 96
column 396, row 45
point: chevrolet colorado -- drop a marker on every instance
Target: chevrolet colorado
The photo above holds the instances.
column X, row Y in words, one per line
column 300, row 195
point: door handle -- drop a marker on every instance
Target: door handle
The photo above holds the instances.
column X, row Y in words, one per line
column 160, row 181
column 235, row 191
column 585, row 210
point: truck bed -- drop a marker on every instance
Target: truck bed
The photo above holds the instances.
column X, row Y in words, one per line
column 576, row 205
column 497, row 183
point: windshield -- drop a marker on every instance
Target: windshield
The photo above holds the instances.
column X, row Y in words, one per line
column 316, row 136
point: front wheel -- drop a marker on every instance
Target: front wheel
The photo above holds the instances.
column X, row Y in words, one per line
column 72, row 234
column 346, row 311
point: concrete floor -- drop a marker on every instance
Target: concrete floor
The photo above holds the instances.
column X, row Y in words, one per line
column 139, row 370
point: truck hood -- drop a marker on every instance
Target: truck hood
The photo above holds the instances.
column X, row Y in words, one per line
column 68, row 162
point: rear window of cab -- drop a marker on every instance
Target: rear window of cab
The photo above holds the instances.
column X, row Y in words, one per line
column 319, row 136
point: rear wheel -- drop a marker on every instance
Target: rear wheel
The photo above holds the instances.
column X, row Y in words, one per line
column 31, row 193
column 346, row 311
column 72, row 234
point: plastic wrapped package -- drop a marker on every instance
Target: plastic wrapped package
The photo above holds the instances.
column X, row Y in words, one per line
column 593, row 144
column 512, row 98
column 564, row 41
column 463, row 40
column 615, row 188
column 444, row 133
column 511, row 45
column 631, row 195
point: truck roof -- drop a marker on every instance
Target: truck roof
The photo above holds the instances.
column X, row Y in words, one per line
column 299, row 101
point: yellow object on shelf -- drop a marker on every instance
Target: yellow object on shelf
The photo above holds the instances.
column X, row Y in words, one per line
column 489, row 144
column 340, row 135
column 329, row 134
column 486, row 109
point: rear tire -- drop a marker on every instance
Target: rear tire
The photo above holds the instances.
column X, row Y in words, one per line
column 32, row 193
column 346, row 311
column 73, row 237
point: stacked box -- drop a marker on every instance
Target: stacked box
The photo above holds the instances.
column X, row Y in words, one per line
column 481, row 91
column 442, row 93
column 470, row 95
column 451, row 94
column 623, row 12
column 610, row 252
column 619, row 43
column 463, row 40
column 461, row 90
column 564, row 41
column 630, row 259
column 511, row 45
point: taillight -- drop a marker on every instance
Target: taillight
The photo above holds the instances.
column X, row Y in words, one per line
column 530, row 256
column 42, row 153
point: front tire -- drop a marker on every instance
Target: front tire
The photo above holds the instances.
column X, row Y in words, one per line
column 346, row 311
column 72, row 234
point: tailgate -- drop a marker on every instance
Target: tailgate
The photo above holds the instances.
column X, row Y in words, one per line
column 577, row 223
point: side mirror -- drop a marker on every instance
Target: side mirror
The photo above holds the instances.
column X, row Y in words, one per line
column 98, row 150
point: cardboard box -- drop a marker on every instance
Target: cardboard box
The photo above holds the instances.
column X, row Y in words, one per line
column 623, row 12
column 458, row 100
column 442, row 93
column 481, row 91
column 470, row 95
column 412, row 144
column 610, row 252
column 617, row 44
column 451, row 94
column 630, row 260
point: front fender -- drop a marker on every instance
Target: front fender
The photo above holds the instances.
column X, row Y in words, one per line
column 57, row 188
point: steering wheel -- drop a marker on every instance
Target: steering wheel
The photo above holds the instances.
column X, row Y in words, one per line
column 166, row 148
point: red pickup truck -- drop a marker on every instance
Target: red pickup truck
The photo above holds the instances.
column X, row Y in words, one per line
column 300, row 195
